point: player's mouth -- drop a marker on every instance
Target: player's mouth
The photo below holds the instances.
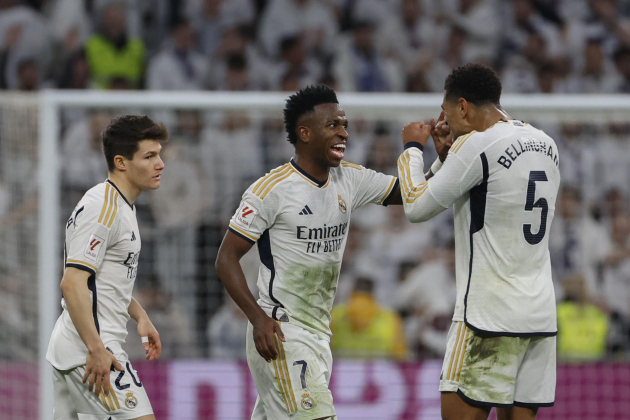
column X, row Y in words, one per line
column 157, row 177
column 338, row 150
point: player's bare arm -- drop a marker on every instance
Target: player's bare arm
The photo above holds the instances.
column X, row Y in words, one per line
column 147, row 331
column 231, row 274
column 74, row 286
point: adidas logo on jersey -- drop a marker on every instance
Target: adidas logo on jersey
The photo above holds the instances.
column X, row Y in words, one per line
column 133, row 236
column 305, row 211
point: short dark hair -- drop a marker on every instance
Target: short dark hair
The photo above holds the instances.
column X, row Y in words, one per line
column 302, row 102
column 122, row 135
column 477, row 83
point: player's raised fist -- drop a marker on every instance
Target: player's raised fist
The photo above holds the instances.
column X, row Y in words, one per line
column 416, row 131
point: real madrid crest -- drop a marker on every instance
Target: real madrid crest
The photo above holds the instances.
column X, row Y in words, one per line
column 342, row 205
column 131, row 401
column 307, row 402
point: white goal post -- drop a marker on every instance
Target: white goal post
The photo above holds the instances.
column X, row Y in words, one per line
column 548, row 108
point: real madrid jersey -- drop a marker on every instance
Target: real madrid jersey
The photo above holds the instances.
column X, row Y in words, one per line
column 301, row 227
column 503, row 184
column 102, row 238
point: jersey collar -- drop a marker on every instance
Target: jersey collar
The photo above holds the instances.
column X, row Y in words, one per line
column 302, row 172
column 121, row 194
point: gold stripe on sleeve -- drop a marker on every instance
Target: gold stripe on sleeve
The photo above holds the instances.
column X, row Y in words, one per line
column 406, row 176
column 105, row 203
column 346, row 164
column 82, row 263
column 111, row 221
column 243, row 232
column 104, row 402
column 389, row 190
column 462, row 140
column 270, row 187
column 455, row 347
column 110, row 205
column 284, row 397
column 461, row 363
column 283, row 364
column 267, row 178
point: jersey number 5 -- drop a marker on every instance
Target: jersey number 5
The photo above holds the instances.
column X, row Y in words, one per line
column 530, row 237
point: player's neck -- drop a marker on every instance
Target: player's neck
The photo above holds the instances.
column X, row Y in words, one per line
column 126, row 188
column 488, row 116
column 312, row 167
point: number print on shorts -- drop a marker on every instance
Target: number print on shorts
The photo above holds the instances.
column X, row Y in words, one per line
column 302, row 372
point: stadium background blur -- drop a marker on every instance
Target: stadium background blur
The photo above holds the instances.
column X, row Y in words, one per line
column 396, row 291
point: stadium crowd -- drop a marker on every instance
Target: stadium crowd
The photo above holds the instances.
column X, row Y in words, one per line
column 396, row 292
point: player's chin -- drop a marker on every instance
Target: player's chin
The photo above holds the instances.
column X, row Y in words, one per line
column 333, row 160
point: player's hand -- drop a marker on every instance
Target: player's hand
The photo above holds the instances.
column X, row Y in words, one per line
column 264, row 329
column 97, row 369
column 442, row 136
column 417, row 131
column 150, row 339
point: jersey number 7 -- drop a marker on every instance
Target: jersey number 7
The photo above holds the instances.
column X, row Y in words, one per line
column 530, row 237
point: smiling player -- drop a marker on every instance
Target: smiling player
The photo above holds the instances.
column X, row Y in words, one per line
column 101, row 259
column 299, row 215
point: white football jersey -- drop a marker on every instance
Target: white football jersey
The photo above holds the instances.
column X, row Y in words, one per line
column 102, row 238
column 503, row 183
column 301, row 226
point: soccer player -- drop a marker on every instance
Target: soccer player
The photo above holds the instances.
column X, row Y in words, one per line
column 299, row 215
column 101, row 259
column 501, row 175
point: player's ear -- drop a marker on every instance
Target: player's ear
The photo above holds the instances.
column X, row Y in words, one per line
column 304, row 133
column 120, row 163
column 462, row 107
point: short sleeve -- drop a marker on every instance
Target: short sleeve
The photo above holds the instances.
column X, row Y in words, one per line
column 372, row 187
column 255, row 214
column 92, row 225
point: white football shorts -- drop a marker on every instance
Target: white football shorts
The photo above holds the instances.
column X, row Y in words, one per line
column 127, row 400
column 499, row 371
column 295, row 385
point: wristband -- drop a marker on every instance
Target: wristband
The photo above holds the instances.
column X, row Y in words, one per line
column 436, row 165
column 145, row 339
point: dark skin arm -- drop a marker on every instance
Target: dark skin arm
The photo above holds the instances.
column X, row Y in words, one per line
column 442, row 139
column 231, row 274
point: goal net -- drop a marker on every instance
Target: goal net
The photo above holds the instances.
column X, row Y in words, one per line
column 50, row 155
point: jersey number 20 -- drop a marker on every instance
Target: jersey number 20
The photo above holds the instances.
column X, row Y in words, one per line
column 530, row 237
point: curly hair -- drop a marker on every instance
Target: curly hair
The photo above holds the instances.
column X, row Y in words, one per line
column 477, row 83
column 303, row 102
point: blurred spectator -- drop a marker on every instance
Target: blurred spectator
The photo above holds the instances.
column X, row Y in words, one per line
column 211, row 17
column 24, row 34
column 616, row 284
column 314, row 20
column 576, row 242
column 169, row 318
column 82, row 149
column 579, row 158
column 178, row 66
column 622, row 64
column 227, row 332
column 582, row 326
column 427, row 294
column 236, row 53
column 521, row 73
column 112, row 54
column 15, row 325
column 597, row 74
column 358, row 66
column 28, row 75
column 362, row 328
column 612, row 151
column 480, row 22
column 295, row 61
column 76, row 72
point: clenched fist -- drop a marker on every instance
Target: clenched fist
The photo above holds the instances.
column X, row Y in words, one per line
column 416, row 131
